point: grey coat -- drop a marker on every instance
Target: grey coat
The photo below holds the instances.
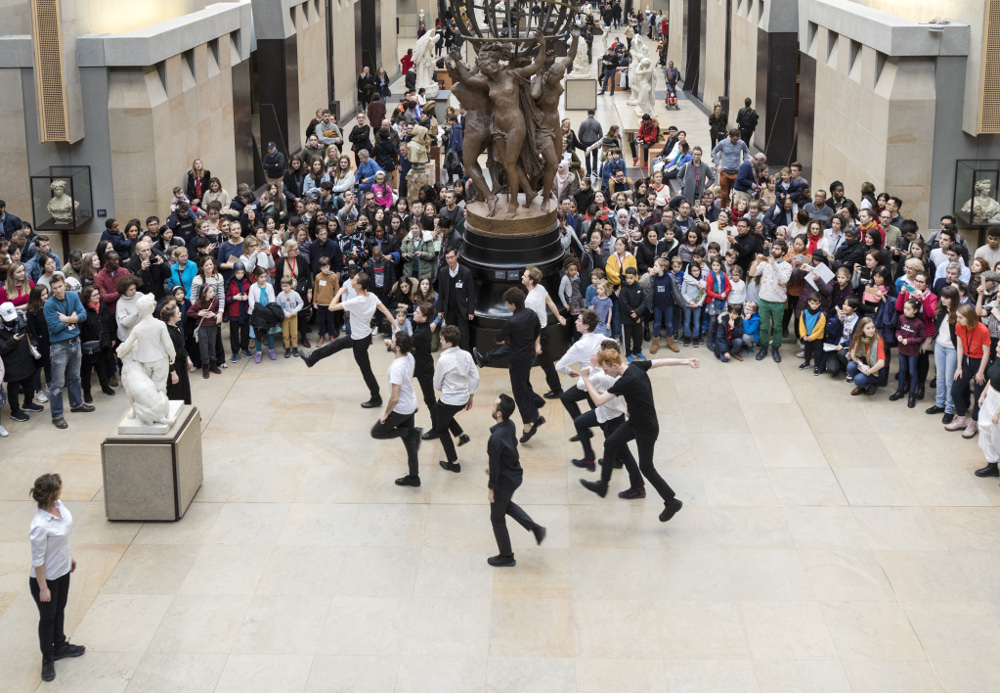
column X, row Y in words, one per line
column 689, row 177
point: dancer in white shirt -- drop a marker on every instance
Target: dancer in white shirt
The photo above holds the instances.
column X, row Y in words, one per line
column 457, row 377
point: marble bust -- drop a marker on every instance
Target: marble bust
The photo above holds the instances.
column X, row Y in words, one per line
column 61, row 206
column 146, row 357
column 984, row 208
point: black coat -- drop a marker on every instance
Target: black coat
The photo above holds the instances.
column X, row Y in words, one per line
column 16, row 355
column 153, row 277
column 182, row 390
column 361, row 138
column 191, row 193
column 466, row 296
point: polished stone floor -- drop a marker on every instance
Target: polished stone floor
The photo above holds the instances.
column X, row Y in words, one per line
column 827, row 543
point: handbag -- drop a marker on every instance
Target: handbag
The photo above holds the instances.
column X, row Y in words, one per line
column 91, row 346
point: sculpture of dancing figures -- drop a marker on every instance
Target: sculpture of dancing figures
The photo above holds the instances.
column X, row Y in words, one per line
column 146, row 357
column 644, row 82
column 546, row 90
column 477, row 136
column 983, row 207
column 61, row 206
column 510, row 124
column 636, row 55
column 423, row 61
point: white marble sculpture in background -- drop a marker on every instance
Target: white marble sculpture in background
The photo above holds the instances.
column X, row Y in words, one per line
column 636, row 54
column 146, row 357
column 61, row 206
column 983, row 207
column 424, row 62
column 643, row 87
column 581, row 64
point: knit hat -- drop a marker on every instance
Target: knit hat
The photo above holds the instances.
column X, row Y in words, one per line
column 238, row 265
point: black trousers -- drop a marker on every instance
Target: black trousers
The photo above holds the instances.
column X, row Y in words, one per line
column 25, row 388
column 588, row 420
column 502, row 506
column 633, row 337
column 462, row 323
column 89, row 362
column 836, row 361
column 446, row 426
column 520, row 385
column 591, row 161
column 51, row 614
column 548, row 367
column 399, row 426
column 426, row 381
column 239, row 336
column 360, row 347
column 615, row 445
column 965, row 386
column 570, row 399
column 814, row 351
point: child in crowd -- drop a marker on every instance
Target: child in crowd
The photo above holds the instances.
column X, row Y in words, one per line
column 632, row 304
column 327, row 283
column 738, row 292
column 291, row 304
column 693, row 293
column 664, row 296
column 866, row 358
column 717, row 288
column 677, row 274
column 596, row 277
column 262, row 293
column 840, row 331
column 812, row 330
column 909, row 335
column 602, row 305
column 751, row 325
column 729, row 333
column 403, row 321
column 209, row 314
column 237, row 295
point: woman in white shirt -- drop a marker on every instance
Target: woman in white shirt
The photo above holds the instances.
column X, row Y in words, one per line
column 255, row 254
column 51, row 564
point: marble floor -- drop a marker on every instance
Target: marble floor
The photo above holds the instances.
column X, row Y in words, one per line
column 827, row 543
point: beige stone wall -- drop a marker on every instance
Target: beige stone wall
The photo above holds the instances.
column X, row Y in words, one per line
column 157, row 133
column 390, row 61
column 743, row 68
column 677, row 46
column 14, row 186
column 311, row 44
column 345, row 71
column 868, row 131
column 715, row 53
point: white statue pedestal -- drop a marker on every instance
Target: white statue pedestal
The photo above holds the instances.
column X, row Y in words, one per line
column 581, row 93
column 150, row 476
column 135, row 427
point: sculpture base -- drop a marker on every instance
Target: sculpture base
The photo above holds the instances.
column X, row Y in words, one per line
column 153, row 477
column 135, row 427
column 497, row 251
column 581, row 92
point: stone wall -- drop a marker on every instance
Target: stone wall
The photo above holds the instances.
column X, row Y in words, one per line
column 387, row 17
column 714, row 70
column 743, row 67
column 14, row 185
column 344, row 66
column 311, row 49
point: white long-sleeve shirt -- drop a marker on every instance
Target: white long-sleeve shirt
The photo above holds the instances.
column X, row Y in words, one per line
column 602, row 382
column 456, row 376
column 290, row 302
column 579, row 353
column 50, row 542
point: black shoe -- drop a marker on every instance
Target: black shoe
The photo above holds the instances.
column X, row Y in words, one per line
column 596, row 486
column 552, row 394
column 761, row 353
column 912, row 401
column 68, row 650
column 372, row 403
column 34, row 406
column 816, row 370
column 932, row 384
column 920, row 392
column 539, row 533
column 585, row 464
column 631, row 493
column 776, row 355
column 671, row 509
column 803, row 366
column 477, row 357
column 450, row 466
column 947, row 419
column 575, row 439
column 502, row 561
column 784, row 333
column 48, row 669
column 108, row 391
column 989, row 470
column 898, row 394
column 308, row 360
column 935, row 410
column 288, row 353
column 20, row 417
column 215, row 369
column 687, row 341
column 429, row 435
column 408, row 481
column 295, row 352
column 82, row 409
column 463, row 439
column 525, row 437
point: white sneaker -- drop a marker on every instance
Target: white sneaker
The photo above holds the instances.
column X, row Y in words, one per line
column 3, row 432
column 41, row 397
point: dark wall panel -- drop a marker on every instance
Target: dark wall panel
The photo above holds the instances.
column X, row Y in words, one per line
column 278, row 84
column 692, row 62
column 292, row 132
column 807, row 112
column 775, row 97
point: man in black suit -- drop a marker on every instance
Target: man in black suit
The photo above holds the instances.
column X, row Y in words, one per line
column 458, row 296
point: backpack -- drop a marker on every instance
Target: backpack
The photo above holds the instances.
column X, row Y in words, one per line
column 886, row 318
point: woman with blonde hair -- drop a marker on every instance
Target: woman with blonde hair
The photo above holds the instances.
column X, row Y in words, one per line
column 343, row 175
column 717, row 124
column 198, row 179
column 18, row 287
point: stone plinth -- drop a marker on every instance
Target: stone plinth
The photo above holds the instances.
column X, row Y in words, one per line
column 153, row 477
column 581, row 93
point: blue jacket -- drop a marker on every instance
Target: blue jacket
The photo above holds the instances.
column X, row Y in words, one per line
column 9, row 224
column 751, row 326
column 32, row 269
column 664, row 292
column 61, row 331
column 609, row 168
column 456, row 138
column 744, row 177
column 178, row 278
column 367, row 170
column 120, row 243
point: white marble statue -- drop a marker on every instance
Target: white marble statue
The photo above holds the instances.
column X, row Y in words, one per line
column 424, row 62
column 983, row 207
column 61, row 206
column 643, row 87
column 146, row 357
column 581, row 64
column 636, row 54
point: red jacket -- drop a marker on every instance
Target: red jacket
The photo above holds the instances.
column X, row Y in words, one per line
column 713, row 292
column 649, row 131
column 406, row 62
column 107, row 285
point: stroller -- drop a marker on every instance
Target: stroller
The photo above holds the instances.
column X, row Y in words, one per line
column 672, row 100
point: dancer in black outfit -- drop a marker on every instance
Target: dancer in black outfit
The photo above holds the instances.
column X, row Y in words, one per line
column 642, row 425
column 504, row 471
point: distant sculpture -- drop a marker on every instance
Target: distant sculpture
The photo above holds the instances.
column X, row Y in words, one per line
column 581, row 65
column 636, row 54
column 146, row 357
column 985, row 210
column 423, row 60
column 644, row 85
column 62, row 207
column 416, row 152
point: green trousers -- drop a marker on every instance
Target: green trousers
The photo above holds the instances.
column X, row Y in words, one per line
column 771, row 313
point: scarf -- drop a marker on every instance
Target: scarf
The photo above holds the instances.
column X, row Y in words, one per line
column 813, row 242
column 876, row 231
